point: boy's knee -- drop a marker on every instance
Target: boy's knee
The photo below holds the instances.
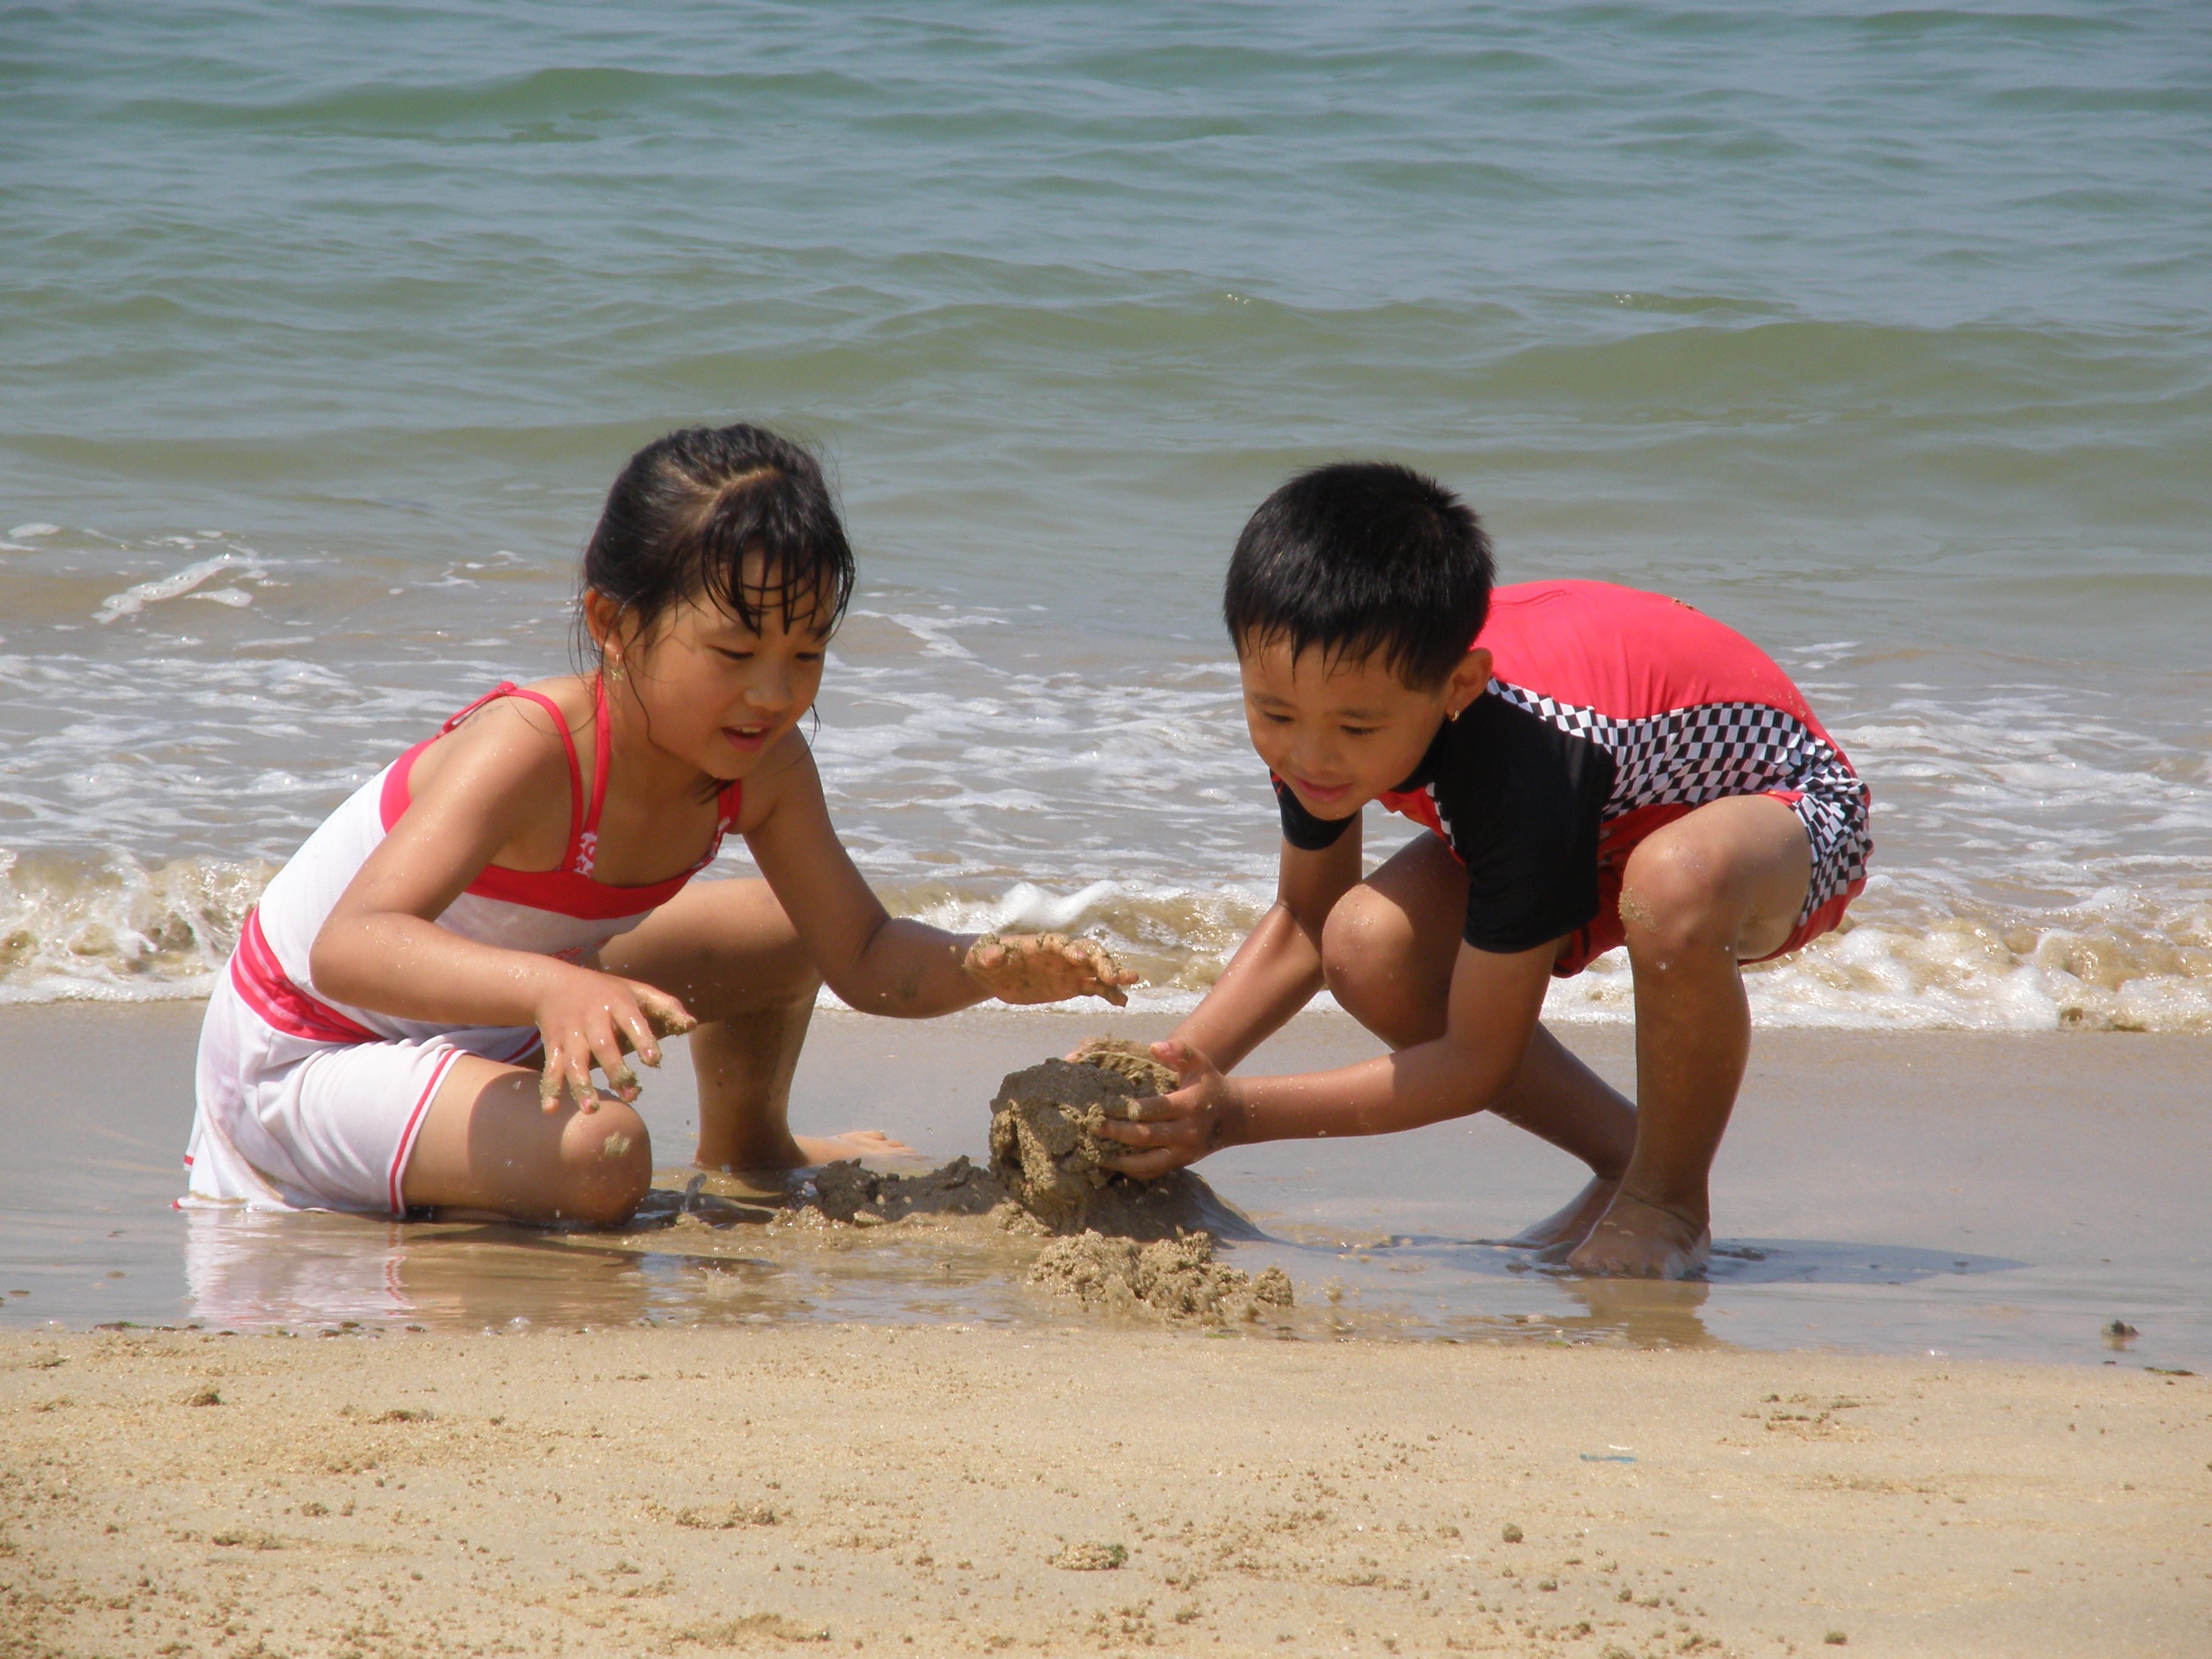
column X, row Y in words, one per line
column 1675, row 896
column 1367, row 962
column 606, row 1165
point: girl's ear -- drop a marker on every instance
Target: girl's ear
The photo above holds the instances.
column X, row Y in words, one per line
column 1469, row 681
column 603, row 617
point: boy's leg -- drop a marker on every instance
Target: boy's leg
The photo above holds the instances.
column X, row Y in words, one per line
column 486, row 1144
column 1388, row 952
column 1718, row 886
column 728, row 952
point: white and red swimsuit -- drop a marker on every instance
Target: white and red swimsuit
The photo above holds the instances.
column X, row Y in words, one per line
column 308, row 1103
column 1609, row 712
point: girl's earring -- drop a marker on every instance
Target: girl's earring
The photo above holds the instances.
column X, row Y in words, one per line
column 615, row 670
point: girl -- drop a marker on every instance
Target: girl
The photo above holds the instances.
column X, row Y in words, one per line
column 413, row 1012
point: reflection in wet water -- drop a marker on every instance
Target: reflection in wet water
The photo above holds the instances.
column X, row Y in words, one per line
column 733, row 1254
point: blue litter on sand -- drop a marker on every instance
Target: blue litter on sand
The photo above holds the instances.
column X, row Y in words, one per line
column 1605, row 1457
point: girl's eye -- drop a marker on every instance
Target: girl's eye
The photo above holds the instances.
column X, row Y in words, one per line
column 1361, row 730
column 735, row 656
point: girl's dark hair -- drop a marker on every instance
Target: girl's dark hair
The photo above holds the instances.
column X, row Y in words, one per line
column 689, row 506
column 1360, row 558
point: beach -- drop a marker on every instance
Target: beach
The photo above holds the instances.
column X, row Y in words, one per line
column 1879, row 336
column 955, row 1490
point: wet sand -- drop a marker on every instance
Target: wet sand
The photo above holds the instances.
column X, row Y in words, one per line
column 1996, row 1197
column 946, row 1490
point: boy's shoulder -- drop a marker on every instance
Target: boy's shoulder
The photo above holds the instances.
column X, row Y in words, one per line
column 1623, row 653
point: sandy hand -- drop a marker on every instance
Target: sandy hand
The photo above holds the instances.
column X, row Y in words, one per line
column 1024, row 968
column 635, row 1030
column 1168, row 1131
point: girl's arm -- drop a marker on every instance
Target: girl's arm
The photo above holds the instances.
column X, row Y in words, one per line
column 1494, row 1003
column 503, row 776
column 1277, row 968
column 879, row 964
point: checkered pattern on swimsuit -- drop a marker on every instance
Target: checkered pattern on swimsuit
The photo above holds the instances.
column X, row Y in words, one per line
column 1712, row 751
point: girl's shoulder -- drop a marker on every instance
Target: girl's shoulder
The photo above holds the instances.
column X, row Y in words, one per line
column 524, row 735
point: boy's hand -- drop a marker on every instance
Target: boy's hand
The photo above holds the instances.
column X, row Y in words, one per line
column 1179, row 1128
column 1024, row 967
column 591, row 1019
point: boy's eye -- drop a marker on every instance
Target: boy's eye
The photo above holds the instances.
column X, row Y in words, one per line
column 1360, row 731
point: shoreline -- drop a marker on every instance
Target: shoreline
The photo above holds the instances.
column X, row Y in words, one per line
column 941, row 1490
column 1987, row 1195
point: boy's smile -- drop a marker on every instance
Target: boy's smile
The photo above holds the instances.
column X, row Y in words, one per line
column 1342, row 731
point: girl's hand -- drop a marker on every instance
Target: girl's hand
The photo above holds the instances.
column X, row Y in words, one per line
column 592, row 1018
column 1178, row 1129
column 1024, row 967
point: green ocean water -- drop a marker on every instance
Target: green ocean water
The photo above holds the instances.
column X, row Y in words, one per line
column 1884, row 335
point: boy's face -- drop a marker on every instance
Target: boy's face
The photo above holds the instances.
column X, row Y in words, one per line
column 1341, row 733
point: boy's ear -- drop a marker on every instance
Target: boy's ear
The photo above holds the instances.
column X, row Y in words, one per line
column 1469, row 681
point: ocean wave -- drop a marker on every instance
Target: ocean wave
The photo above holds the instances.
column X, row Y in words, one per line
column 112, row 929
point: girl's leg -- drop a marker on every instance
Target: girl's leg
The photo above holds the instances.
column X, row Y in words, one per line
column 485, row 1144
column 728, row 952
column 1388, row 951
column 1716, row 887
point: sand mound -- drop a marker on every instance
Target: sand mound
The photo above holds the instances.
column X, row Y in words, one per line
column 1174, row 1279
column 1044, row 1141
column 844, row 1191
column 1048, row 1174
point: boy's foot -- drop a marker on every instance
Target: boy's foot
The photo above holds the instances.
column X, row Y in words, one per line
column 853, row 1143
column 1636, row 1240
column 1570, row 1224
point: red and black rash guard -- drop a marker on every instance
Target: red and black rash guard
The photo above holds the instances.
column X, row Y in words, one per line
column 1610, row 712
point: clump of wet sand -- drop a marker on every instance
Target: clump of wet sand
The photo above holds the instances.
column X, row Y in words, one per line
column 1173, row 1279
column 1131, row 1246
column 1045, row 1144
column 847, row 1191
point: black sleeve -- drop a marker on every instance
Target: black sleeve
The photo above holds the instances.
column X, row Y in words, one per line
column 1524, row 802
column 1301, row 827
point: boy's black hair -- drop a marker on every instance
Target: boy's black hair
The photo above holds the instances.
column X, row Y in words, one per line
column 689, row 506
column 1358, row 557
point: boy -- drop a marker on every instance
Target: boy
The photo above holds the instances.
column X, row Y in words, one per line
column 1596, row 766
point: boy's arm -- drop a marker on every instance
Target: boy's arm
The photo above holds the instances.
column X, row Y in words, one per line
column 1495, row 1000
column 1277, row 968
column 879, row 964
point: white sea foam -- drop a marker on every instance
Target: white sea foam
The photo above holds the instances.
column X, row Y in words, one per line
column 2040, row 841
column 134, row 600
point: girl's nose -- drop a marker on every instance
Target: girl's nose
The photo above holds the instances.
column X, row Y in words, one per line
column 771, row 691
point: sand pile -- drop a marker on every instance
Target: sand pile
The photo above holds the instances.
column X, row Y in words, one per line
column 845, row 1191
column 1045, row 1146
column 1129, row 1246
column 1174, row 1279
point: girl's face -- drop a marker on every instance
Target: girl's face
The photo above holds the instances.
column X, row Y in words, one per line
column 717, row 694
column 1339, row 733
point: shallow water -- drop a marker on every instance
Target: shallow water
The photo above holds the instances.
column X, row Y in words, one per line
column 1882, row 335
column 1862, row 1204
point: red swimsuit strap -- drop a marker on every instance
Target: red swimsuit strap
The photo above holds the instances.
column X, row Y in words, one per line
column 576, row 825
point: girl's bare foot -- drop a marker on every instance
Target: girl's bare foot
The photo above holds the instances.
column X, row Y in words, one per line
column 853, row 1143
column 1570, row 1224
column 1636, row 1240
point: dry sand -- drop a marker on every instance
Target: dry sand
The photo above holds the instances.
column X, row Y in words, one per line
column 940, row 1491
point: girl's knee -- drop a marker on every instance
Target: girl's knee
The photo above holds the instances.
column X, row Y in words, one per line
column 605, row 1166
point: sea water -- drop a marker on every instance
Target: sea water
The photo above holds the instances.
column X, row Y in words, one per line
column 1884, row 335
